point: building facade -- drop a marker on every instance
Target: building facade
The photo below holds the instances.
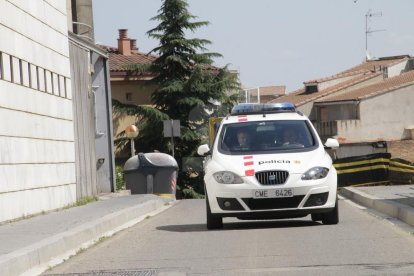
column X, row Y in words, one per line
column 37, row 142
column 55, row 106
column 364, row 107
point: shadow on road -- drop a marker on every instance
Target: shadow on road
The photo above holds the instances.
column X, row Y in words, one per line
column 242, row 225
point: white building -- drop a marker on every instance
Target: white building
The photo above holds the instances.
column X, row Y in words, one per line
column 51, row 155
column 37, row 149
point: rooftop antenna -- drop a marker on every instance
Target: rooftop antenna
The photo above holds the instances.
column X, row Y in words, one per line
column 368, row 30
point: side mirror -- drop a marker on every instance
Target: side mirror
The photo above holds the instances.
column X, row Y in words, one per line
column 331, row 143
column 203, row 150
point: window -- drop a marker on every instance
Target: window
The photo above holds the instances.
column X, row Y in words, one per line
column 48, row 82
column 25, row 73
column 16, row 72
column 128, row 97
column 21, row 72
column 6, row 62
column 311, row 88
column 1, row 66
column 62, row 86
column 33, row 77
column 55, row 83
column 41, row 78
column 267, row 136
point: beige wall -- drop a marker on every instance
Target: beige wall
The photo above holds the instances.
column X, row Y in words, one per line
column 141, row 93
column 121, row 121
column 383, row 117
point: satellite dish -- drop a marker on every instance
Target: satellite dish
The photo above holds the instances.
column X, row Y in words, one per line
column 368, row 56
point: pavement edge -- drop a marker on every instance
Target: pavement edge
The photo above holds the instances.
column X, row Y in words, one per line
column 385, row 206
column 38, row 257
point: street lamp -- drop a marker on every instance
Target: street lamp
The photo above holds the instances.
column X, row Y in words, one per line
column 131, row 132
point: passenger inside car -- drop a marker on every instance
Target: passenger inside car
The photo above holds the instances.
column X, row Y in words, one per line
column 290, row 137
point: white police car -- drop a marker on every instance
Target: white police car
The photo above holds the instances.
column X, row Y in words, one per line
column 268, row 162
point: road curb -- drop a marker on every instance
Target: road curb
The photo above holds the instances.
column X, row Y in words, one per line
column 386, row 206
column 38, row 257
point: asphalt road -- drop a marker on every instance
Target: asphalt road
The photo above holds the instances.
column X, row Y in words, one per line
column 176, row 242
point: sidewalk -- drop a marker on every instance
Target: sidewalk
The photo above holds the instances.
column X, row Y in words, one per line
column 396, row 201
column 30, row 246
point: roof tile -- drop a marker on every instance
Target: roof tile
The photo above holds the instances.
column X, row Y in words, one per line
column 120, row 63
column 389, row 84
column 368, row 66
column 299, row 97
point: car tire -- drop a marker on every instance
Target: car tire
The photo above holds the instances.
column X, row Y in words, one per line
column 331, row 217
column 213, row 221
column 316, row 217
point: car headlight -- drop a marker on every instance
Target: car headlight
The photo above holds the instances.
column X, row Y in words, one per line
column 227, row 177
column 315, row 173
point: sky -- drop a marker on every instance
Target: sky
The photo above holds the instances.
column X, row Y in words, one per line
column 275, row 42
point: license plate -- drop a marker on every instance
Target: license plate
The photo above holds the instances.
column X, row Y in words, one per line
column 277, row 193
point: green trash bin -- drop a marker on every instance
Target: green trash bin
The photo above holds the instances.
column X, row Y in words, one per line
column 151, row 173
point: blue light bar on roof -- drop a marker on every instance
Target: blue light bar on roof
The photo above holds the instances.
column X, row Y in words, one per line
column 246, row 108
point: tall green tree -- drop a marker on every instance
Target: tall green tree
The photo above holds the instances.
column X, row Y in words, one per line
column 188, row 84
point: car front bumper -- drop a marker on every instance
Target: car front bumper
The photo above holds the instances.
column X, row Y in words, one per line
column 237, row 200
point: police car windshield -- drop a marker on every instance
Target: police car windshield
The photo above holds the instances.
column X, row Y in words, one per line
column 261, row 136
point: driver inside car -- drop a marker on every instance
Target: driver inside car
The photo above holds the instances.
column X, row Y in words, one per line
column 243, row 139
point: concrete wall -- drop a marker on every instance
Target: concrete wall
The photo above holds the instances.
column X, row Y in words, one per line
column 82, row 13
column 37, row 159
column 382, row 117
column 397, row 69
column 307, row 109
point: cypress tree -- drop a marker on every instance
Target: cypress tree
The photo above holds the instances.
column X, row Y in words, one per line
column 187, row 84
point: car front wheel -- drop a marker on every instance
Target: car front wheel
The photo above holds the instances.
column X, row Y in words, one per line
column 213, row 221
column 316, row 217
column 332, row 217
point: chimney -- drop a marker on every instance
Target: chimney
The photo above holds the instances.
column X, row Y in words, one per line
column 134, row 48
column 124, row 43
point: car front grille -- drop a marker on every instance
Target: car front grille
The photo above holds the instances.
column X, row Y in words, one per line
column 272, row 177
